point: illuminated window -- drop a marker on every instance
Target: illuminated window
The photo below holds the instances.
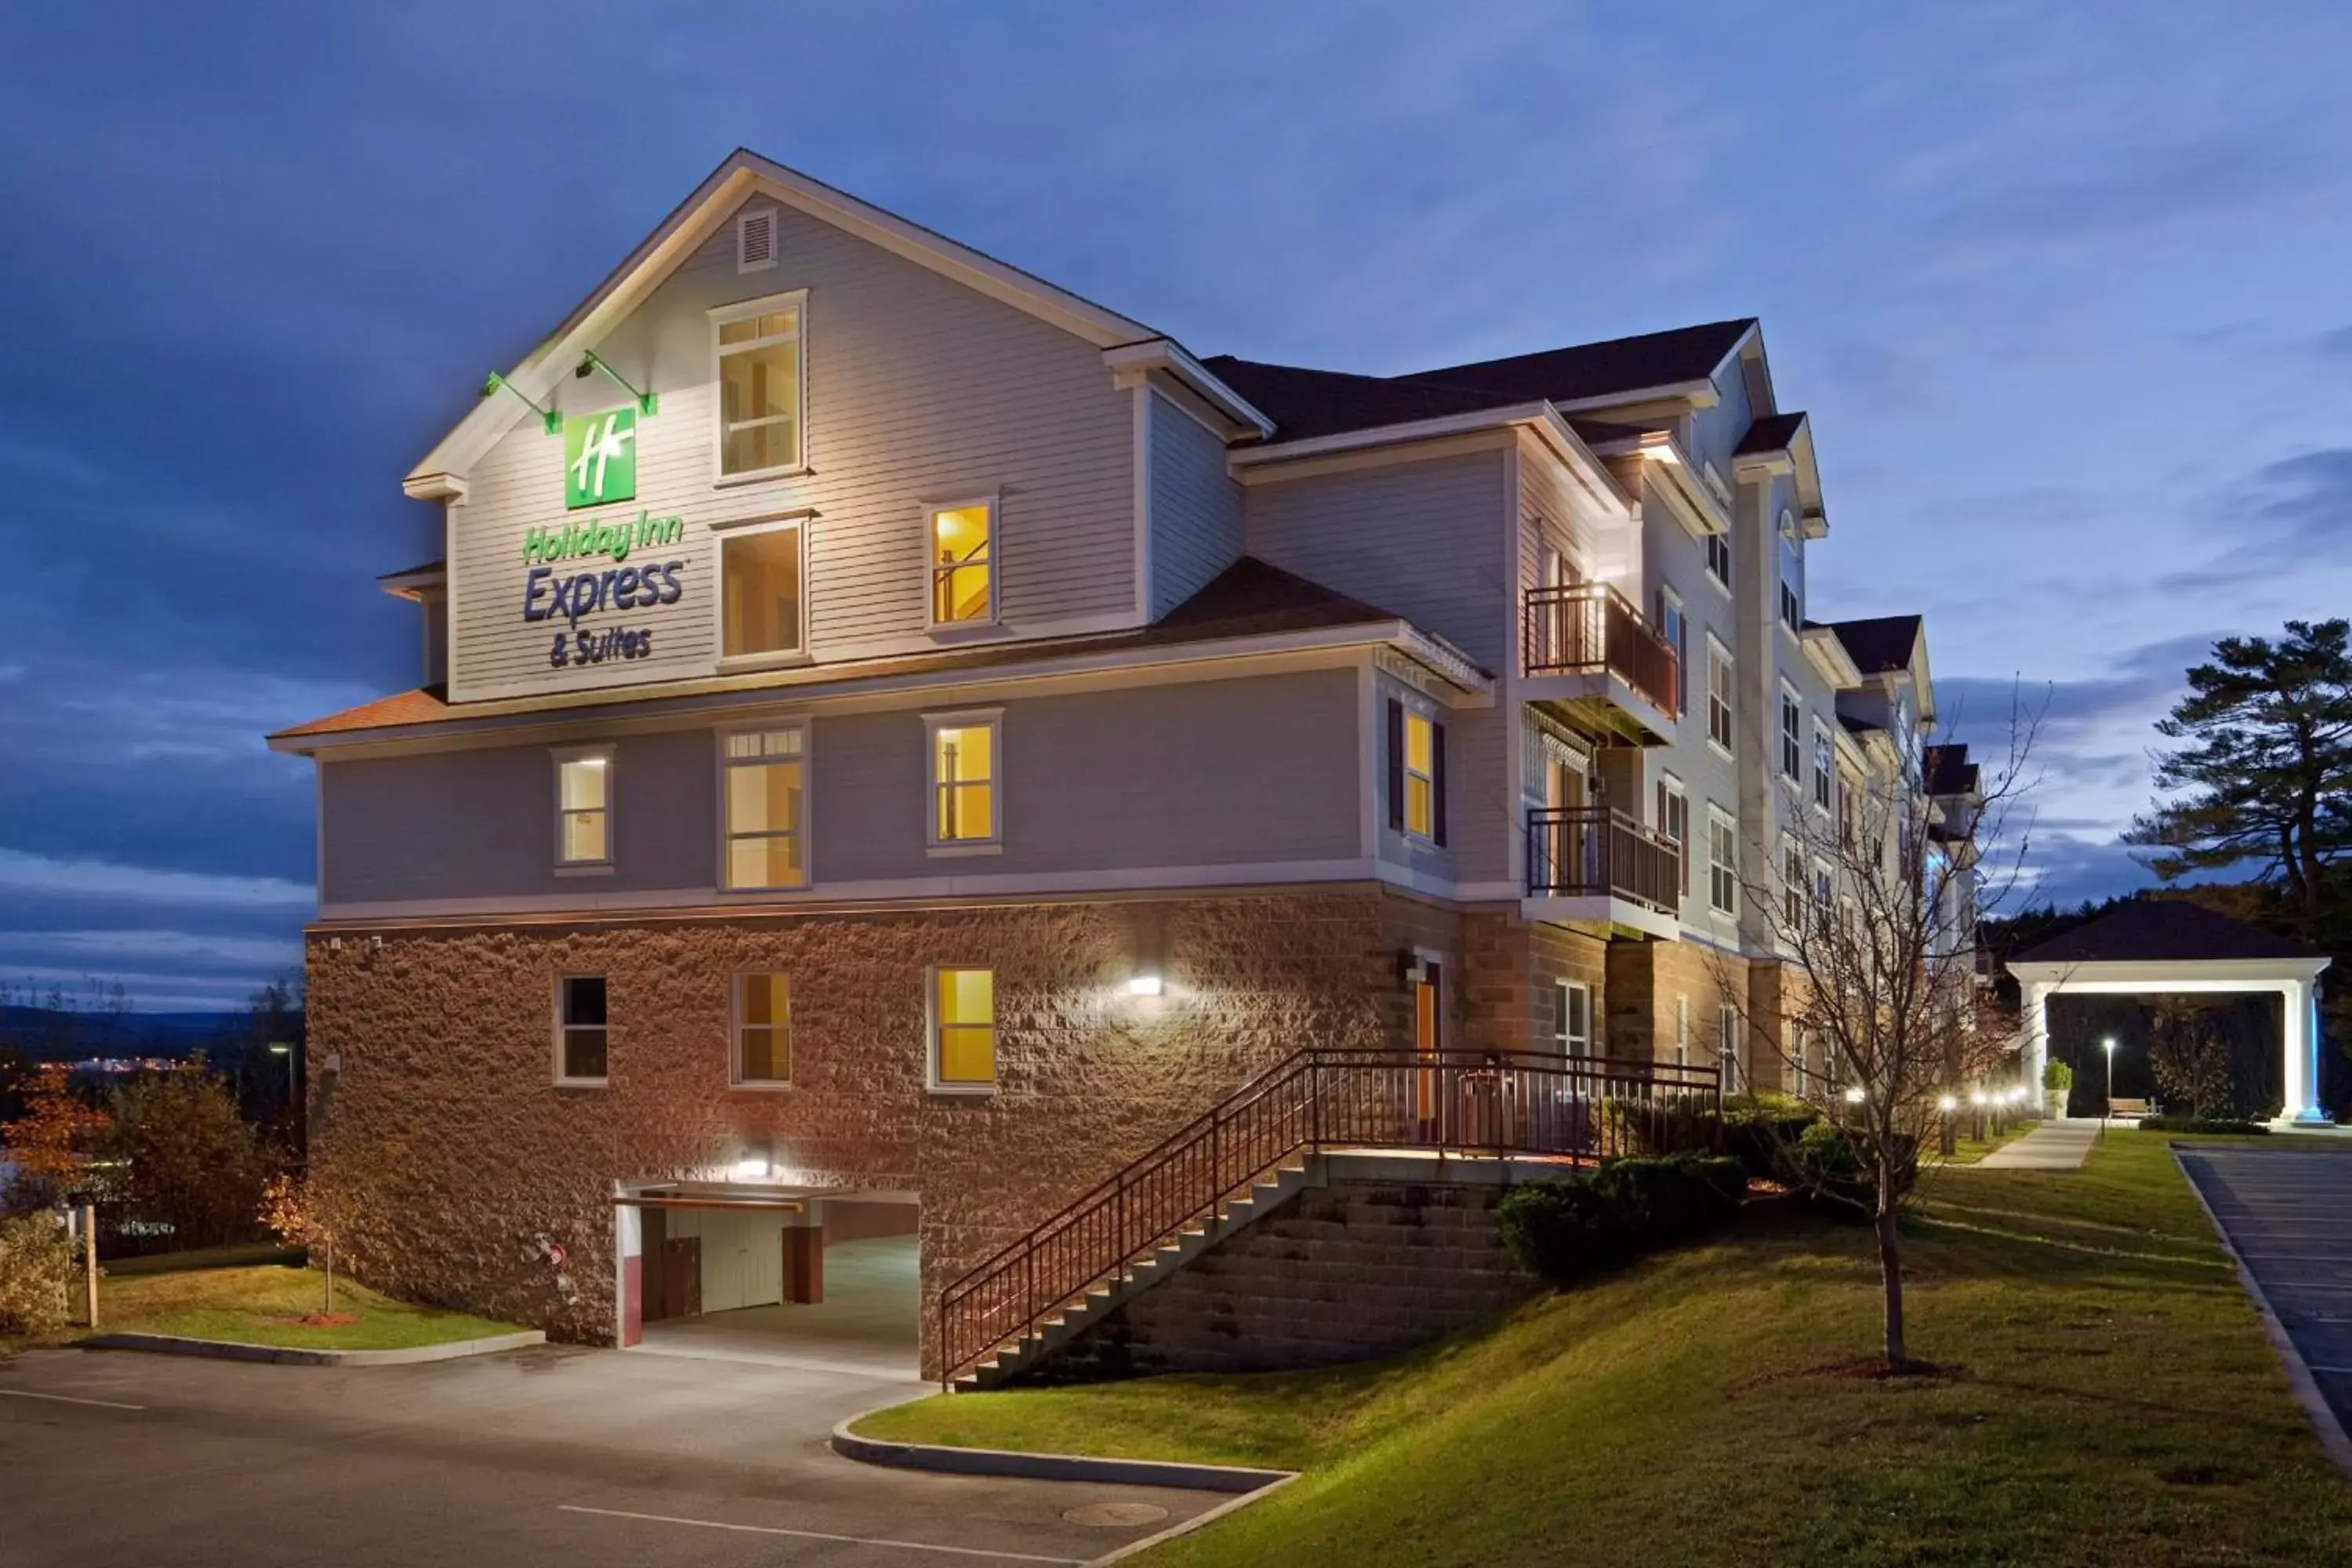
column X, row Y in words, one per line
column 761, row 386
column 583, row 801
column 763, row 1033
column 963, row 564
column 964, row 755
column 579, row 1029
column 762, row 788
column 759, row 591
column 1718, row 694
column 1419, row 776
column 963, row 1028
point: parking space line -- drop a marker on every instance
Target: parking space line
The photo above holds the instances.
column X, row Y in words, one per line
column 821, row 1535
column 67, row 1399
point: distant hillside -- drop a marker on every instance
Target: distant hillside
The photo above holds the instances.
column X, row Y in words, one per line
column 46, row 1034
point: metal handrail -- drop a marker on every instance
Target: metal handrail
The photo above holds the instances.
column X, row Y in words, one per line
column 1591, row 628
column 1493, row 1102
column 1574, row 850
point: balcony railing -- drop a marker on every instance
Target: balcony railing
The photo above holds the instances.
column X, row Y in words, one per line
column 1591, row 628
column 1590, row 850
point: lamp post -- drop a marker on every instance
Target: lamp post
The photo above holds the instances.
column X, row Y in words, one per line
column 1946, row 1141
column 280, row 1049
column 2107, row 1108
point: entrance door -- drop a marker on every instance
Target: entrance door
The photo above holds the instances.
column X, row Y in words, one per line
column 682, row 1275
column 1428, row 1040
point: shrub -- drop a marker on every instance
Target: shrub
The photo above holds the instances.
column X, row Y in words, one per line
column 1639, row 1127
column 1834, row 1161
column 2200, row 1124
column 2057, row 1075
column 1762, row 1131
column 1566, row 1230
column 35, row 1269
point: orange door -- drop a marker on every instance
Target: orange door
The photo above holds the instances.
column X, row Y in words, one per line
column 1428, row 1013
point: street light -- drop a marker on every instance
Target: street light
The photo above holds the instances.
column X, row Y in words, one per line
column 2107, row 1110
column 288, row 1052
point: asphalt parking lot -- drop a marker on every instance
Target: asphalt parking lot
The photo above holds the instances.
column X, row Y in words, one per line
column 2289, row 1215
column 554, row 1455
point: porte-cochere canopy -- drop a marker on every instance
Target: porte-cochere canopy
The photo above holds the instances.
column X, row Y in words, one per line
column 2168, row 946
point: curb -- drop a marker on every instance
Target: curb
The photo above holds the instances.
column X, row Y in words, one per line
column 2300, row 1383
column 1233, row 1479
column 292, row 1356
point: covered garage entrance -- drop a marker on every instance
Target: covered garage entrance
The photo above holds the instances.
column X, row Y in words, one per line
column 791, row 1277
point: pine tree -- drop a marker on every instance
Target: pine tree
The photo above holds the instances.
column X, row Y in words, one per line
column 2260, row 777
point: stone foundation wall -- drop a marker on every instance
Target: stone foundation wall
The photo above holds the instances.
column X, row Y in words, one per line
column 1347, row 1272
column 457, row 1169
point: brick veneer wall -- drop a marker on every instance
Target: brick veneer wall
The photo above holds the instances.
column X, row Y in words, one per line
column 1512, row 971
column 452, row 1160
column 1357, row 1270
column 1644, row 978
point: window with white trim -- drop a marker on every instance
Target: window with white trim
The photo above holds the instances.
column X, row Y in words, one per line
column 1674, row 822
column 1727, row 1047
column 1718, row 558
column 1420, row 774
column 764, row 1031
column 962, row 1055
column 1796, row 1050
column 584, row 807
column 1824, row 766
column 1793, row 575
column 965, row 759
column 579, row 1029
column 762, row 606
column 756, row 356
column 1722, row 862
column 1824, row 895
column 1848, row 798
column 962, row 539
column 1718, row 694
column 1792, row 736
column 762, row 798
column 1572, row 1018
column 1675, row 629
column 1682, row 1031
column 1792, row 888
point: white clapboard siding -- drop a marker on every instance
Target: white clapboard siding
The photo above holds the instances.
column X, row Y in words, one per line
column 1196, row 506
column 918, row 390
column 1423, row 539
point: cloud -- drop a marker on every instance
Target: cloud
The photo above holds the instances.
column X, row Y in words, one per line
column 2139, row 190
column 2307, row 498
column 35, row 876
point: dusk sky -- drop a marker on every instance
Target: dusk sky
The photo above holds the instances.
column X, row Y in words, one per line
column 2066, row 298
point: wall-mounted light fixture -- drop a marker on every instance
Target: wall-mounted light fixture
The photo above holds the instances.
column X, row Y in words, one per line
column 647, row 401
column 750, row 1168
column 1148, row 977
column 1144, row 985
column 549, row 419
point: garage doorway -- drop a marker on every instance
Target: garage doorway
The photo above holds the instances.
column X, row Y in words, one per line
column 830, row 1281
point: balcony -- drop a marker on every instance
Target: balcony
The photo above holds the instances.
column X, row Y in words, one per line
column 1587, row 643
column 1589, row 863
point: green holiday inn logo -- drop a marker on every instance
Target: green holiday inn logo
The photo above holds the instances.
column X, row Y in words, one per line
column 600, row 457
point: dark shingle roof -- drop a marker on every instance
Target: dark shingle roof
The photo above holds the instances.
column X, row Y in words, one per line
column 2162, row 930
column 1880, row 644
column 1305, row 403
column 1948, row 771
column 1596, row 370
column 1770, row 434
column 1248, row 599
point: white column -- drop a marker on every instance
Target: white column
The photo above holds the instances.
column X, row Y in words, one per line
column 2301, row 1046
column 2037, row 1038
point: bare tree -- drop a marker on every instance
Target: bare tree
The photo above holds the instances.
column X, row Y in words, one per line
column 1872, row 907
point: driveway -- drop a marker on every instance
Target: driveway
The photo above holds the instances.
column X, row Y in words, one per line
column 553, row 1455
column 2289, row 1215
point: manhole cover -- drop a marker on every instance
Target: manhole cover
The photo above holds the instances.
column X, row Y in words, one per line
column 1115, row 1514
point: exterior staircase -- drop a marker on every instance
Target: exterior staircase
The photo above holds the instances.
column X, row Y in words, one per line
column 1257, row 1149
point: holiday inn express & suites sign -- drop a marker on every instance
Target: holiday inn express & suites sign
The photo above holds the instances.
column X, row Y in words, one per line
column 600, row 457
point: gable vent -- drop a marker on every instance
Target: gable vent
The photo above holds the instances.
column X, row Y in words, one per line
column 755, row 241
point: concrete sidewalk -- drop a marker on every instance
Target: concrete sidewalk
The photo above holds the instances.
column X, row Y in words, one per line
column 2052, row 1146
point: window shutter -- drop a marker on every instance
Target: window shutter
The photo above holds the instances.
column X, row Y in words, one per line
column 1396, row 766
column 1437, row 781
column 755, row 241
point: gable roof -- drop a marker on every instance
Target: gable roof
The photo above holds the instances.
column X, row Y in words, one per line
column 742, row 175
column 1881, row 643
column 1305, row 404
column 1773, row 433
column 2162, row 930
column 1248, row 599
column 1585, row 372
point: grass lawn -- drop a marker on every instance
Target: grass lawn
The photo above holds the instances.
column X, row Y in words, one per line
column 1968, row 1150
column 2111, row 1399
column 256, row 1304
